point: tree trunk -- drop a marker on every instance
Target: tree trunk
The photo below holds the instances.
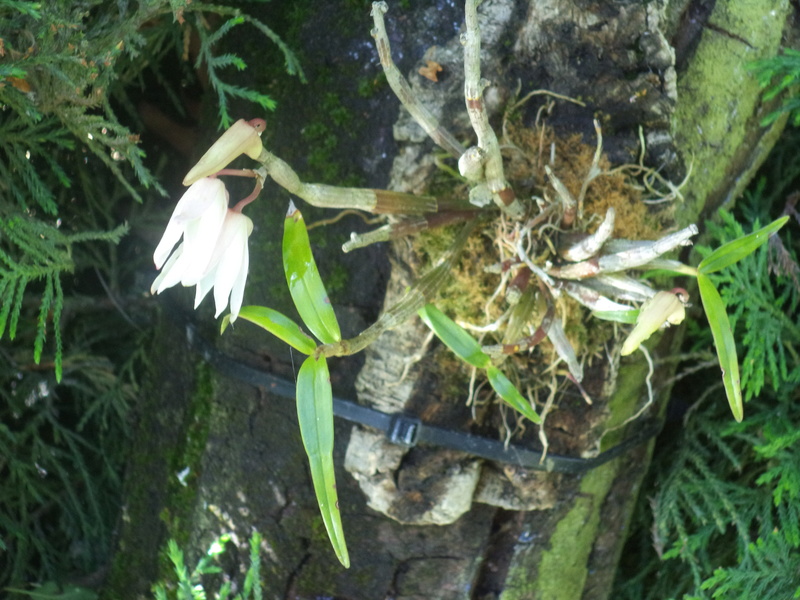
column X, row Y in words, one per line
column 458, row 526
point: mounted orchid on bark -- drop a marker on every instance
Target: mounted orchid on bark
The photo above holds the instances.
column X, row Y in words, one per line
column 550, row 248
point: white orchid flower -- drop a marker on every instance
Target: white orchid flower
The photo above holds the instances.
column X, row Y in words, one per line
column 227, row 271
column 213, row 252
column 198, row 219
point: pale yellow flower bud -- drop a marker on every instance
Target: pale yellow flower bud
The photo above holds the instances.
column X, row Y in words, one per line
column 662, row 310
column 243, row 137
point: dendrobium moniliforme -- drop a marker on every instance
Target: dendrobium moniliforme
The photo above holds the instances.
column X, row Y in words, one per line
column 213, row 252
column 534, row 264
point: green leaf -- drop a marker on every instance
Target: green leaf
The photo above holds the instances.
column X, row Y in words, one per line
column 736, row 250
column 277, row 324
column 454, row 336
column 506, row 390
column 723, row 340
column 52, row 591
column 305, row 284
column 315, row 413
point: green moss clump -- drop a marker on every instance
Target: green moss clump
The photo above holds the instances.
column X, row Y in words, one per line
column 188, row 454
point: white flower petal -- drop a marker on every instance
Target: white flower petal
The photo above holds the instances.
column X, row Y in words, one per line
column 237, row 293
column 206, row 199
column 201, row 237
column 234, row 258
column 198, row 198
column 168, row 273
column 227, row 274
column 172, row 236
column 232, row 228
column 204, row 286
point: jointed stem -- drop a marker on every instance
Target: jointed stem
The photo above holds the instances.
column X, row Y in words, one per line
column 406, row 227
column 329, row 196
column 502, row 193
column 403, row 91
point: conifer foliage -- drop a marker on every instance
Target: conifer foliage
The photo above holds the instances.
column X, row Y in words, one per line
column 721, row 515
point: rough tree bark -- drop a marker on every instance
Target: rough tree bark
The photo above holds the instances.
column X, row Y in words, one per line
column 460, row 527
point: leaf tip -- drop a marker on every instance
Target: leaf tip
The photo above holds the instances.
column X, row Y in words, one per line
column 226, row 320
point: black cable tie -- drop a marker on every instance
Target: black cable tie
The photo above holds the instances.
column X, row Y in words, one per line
column 407, row 430
column 404, row 430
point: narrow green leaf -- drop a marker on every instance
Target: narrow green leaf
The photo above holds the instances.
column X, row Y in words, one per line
column 17, row 307
column 7, row 286
column 315, row 413
column 44, row 311
column 277, row 324
column 724, row 342
column 50, row 590
column 305, row 284
column 506, row 390
column 736, row 250
column 454, row 336
column 57, row 309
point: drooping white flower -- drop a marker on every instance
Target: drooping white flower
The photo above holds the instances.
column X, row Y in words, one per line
column 213, row 253
column 227, row 270
column 198, row 219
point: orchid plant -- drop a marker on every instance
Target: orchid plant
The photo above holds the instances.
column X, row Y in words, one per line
column 592, row 270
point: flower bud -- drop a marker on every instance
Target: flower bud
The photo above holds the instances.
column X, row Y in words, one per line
column 662, row 310
column 243, row 137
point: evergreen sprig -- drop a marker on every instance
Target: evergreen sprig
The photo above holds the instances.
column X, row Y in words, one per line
column 213, row 63
column 779, row 449
column 191, row 585
column 698, row 504
column 725, row 511
column 31, row 251
column 778, row 75
column 72, row 64
column 60, row 455
column 771, row 572
column 64, row 62
column 28, row 166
